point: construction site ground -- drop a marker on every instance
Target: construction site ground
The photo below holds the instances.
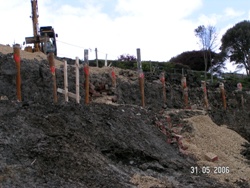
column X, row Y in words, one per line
column 113, row 141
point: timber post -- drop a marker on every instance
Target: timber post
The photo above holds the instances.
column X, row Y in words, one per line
column 204, row 88
column 223, row 96
column 86, row 72
column 77, row 81
column 66, row 88
column 163, row 81
column 106, row 60
column 17, row 58
column 141, row 77
column 113, row 76
column 185, row 91
column 51, row 60
column 239, row 88
column 96, row 58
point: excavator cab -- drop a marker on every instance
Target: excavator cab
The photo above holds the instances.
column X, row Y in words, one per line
column 49, row 45
column 46, row 41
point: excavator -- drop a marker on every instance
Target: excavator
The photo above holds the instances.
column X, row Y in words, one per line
column 44, row 38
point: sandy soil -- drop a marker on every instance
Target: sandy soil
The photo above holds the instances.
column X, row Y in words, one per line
column 27, row 55
column 224, row 142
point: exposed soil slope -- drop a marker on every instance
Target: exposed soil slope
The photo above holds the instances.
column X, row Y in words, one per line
column 108, row 145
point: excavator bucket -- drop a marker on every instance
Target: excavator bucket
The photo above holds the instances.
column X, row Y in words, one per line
column 39, row 39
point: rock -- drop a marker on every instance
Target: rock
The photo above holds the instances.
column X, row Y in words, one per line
column 3, row 98
column 194, row 107
column 114, row 99
column 211, row 157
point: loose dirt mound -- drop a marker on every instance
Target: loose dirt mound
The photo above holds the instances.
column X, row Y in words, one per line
column 148, row 181
column 225, row 143
column 27, row 55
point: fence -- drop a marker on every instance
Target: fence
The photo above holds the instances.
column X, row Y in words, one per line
column 233, row 75
column 65, row 90
column 67, row 94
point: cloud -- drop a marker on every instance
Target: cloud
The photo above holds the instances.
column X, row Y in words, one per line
column 176, row 9
column 216, row 19
column 230, row 12
column 160, row 28
column 14, row 19
column 212, row 19
column 156, row 28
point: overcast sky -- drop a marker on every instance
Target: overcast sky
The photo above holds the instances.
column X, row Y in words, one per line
column 160, row 28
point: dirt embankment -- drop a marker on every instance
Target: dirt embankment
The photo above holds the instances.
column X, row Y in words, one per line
column 39, row 56
column 102, row 145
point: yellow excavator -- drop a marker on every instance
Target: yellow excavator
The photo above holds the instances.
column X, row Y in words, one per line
column 44, row 39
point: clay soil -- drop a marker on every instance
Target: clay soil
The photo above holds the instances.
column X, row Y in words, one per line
column 113, row 141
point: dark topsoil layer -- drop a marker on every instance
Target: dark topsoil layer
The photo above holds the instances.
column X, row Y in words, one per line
column 99, row 145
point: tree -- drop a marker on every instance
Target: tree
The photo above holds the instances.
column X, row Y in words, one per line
column 126, row 57
column 236, row 45
column 207, row 37
column 218, row 63
column 193, row 59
